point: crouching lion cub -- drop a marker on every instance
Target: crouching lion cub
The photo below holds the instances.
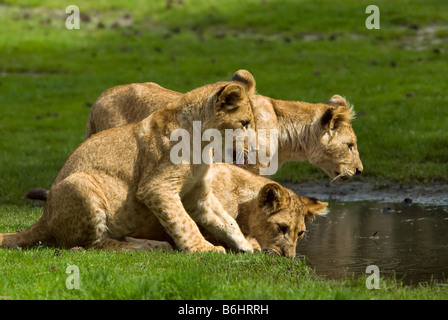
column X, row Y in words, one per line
column 121, row 178
column 271, row 217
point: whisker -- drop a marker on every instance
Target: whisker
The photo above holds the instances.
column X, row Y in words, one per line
column 342, row 175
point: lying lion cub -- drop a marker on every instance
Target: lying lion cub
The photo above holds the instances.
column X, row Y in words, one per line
column 320, row 133
column 271, row 217
column 121, row 178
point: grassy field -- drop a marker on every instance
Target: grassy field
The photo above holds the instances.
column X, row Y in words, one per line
column 297, row 50
column 173, row 276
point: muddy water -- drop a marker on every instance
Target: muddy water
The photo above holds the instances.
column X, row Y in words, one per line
column 410, row 241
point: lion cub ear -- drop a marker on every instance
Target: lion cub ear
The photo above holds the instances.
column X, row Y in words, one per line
column 231, row 97
column 337, row 100
column 334, row 117
column 337, row 113
column 246, row 79
column 272, row 197
column 314, row 208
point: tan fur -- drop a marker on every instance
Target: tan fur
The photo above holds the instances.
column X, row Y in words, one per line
column 120, row 179
column 320, row 133
column 259, row 205
column 271, row 217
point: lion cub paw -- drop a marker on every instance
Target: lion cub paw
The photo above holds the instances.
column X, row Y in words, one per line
column 255, row 244
column 219, row 249
column 246, row 246
column 206, row 247
column 150, row 245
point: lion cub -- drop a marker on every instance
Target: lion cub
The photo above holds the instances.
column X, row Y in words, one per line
column 320, row 133
column 121, row 178
column 271, row 217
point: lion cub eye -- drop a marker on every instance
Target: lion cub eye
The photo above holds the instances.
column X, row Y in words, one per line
column 283, row 228
column 350, row 146
column 245, row 123
column 301, row 233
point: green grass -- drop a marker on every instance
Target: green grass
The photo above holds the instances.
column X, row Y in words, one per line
column 301, row 50
column 298, row 50
column 42, row 274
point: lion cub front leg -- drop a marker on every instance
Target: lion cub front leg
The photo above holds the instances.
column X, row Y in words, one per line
column 168, row 209
column 210, row 214
column 203, row 206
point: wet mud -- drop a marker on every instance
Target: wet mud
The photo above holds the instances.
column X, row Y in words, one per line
column 433, row 194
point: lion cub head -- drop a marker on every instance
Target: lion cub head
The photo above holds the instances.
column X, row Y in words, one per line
column 336, row 150
column 226, row 116
column 279, row 217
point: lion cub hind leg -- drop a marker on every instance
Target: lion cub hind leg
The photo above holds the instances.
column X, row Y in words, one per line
column 76, row 212
column 151, row 244
column 131, row 244
column 77, row 216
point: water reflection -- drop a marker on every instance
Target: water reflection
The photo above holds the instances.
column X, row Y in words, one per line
column 408, row 240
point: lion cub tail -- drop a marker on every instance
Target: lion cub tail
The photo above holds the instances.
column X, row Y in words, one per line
column 37, row 194
column 32, row 236
column 26, row 238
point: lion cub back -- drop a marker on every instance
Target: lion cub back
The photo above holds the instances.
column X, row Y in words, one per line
column 125, row 104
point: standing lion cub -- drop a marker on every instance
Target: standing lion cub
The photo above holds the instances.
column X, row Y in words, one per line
column 320, row 133
column 121, row 178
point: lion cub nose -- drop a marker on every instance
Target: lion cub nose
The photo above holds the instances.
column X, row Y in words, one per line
column 358, row 171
